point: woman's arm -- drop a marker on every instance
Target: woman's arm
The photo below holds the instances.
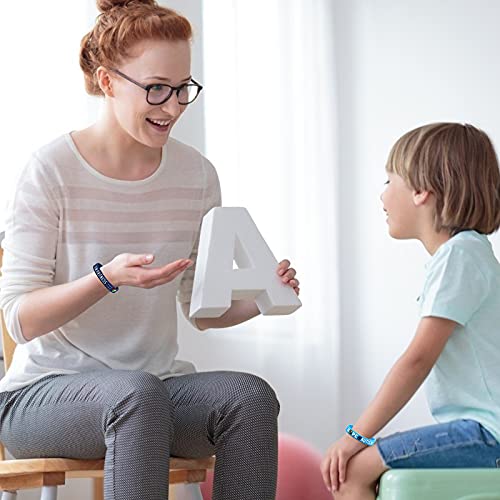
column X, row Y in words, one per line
column 42, row 311
column 32, row 306
column 243, row 310
column 407, row 374
column 240, row 311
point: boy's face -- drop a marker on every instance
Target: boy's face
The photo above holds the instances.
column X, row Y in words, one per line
column 399, row 204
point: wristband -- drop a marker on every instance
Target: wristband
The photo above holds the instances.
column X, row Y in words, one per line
column 104, row 281
column 359, row 437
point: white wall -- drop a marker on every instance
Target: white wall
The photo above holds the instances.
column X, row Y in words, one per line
column 401, row 64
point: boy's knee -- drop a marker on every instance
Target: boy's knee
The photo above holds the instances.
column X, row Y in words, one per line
column 352, row 489
column 364, row 469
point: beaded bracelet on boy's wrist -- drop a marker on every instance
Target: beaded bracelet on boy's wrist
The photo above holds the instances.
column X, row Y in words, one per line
column 359, row 437
column 104, row 281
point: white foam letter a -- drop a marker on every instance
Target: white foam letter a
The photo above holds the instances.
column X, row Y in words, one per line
column 228, row 234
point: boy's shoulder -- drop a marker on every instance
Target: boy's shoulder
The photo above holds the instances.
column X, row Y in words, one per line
column 461, row 276
column 468, row 249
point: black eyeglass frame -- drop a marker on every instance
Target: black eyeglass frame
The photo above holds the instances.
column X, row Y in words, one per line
column 147, row 88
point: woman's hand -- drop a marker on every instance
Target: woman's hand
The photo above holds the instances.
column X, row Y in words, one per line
column 127, row 269
column 334, row 464
column 288, row 275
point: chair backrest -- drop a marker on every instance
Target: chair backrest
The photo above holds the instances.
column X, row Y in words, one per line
column 8, row 346
column 7, row 342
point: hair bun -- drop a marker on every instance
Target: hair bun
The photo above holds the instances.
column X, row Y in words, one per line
column 105, row 5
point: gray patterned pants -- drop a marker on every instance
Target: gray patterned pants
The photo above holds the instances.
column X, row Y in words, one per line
column 135, row 421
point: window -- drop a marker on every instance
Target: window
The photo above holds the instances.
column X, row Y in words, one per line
column 270, row 132
column 42, row 86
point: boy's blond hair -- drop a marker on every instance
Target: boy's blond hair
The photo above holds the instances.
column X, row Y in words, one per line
column 458, row 164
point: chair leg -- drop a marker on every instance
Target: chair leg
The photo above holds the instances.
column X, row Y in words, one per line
column 189, row 491
column 49, row 493
column 9, row 495
column 195, row 491
column 98, row 488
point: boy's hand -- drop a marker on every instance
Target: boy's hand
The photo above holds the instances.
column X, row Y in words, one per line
column 287, row 275
column 334, row 464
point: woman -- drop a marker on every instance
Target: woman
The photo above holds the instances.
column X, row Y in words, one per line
column 95, row 372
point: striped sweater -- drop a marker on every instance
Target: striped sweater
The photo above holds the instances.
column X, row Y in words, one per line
column 64, row 217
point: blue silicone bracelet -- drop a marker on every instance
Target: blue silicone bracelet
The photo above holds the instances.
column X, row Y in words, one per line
column 359, row 437
column 104, row 281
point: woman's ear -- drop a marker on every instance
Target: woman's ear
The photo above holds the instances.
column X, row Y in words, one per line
column 421, row 197
column 104, row 81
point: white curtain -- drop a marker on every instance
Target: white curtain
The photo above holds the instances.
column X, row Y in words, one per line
column 41, row 84
column 270, row 131
column 270, row 111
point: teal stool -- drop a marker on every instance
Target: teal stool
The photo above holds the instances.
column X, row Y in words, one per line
column 440, row 484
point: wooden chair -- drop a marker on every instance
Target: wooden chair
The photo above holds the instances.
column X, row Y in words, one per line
column 49, row 473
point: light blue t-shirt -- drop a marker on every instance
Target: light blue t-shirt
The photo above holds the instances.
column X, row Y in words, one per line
column 463, row 284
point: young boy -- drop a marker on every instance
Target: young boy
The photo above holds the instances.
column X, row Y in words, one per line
column 443, row 189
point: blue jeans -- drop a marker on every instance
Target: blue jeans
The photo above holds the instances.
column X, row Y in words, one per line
column 455, row 444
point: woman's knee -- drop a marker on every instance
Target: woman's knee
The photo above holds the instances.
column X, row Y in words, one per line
column 142, row 392
column 138, row 381
column 255, row 394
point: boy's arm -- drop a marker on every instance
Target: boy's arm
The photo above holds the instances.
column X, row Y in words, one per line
column 407, row 374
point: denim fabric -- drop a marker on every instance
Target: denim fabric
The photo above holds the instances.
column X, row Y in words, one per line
column 455, row 444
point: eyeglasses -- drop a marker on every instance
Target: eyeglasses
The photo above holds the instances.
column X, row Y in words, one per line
column 159, row 93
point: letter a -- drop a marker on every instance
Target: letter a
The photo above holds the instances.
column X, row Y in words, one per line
column 229, row 234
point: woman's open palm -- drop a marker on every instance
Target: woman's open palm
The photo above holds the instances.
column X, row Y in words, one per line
column 130, row 269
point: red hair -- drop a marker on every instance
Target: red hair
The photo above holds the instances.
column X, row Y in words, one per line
column 120, row 26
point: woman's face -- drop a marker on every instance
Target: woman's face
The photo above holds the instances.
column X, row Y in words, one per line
column 154, row 62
